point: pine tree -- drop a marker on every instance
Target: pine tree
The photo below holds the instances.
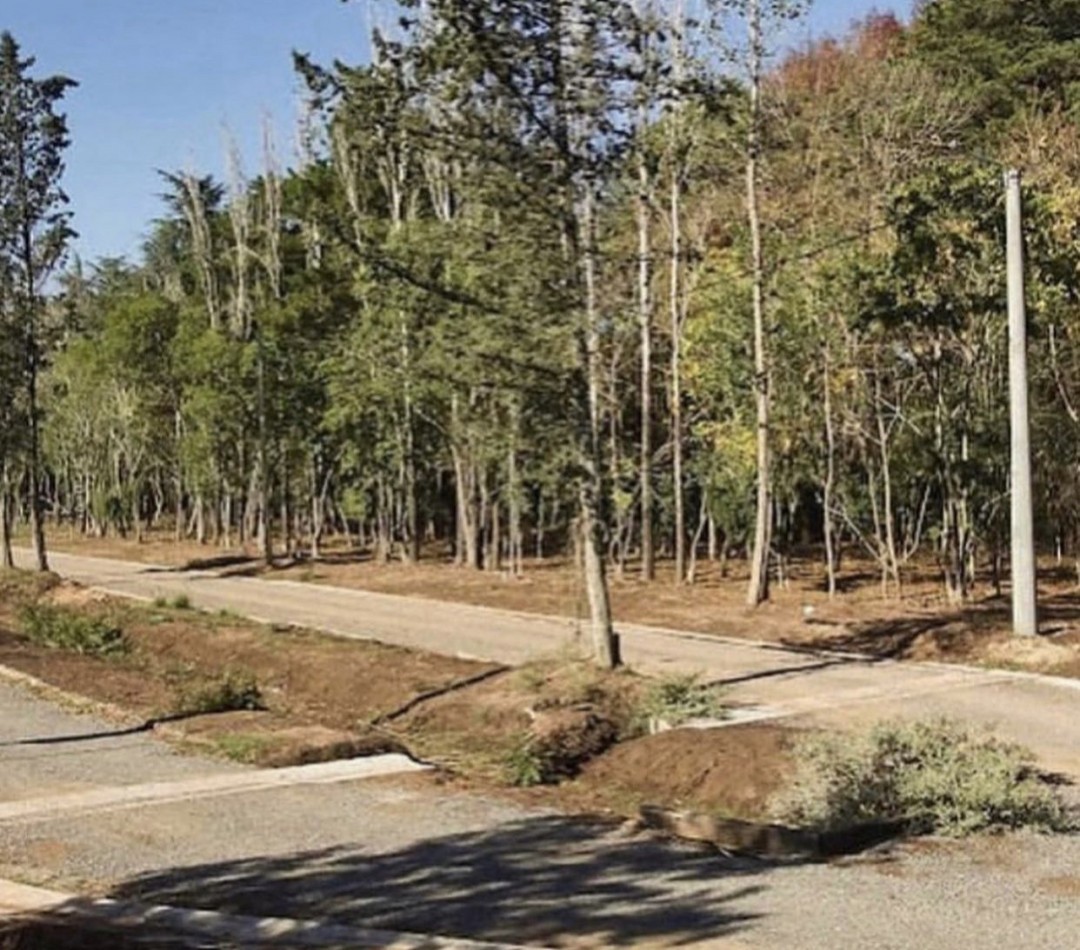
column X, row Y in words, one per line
column 34, row 229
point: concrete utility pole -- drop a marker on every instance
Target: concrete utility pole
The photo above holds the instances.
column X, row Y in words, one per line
column 1025, row 622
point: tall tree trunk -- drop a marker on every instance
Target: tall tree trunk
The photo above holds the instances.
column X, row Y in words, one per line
column 605, row 646
column 517, row 538
column 828, row 488
column 648, row 556
column 264, row 528
column 758, row 590
column 33, row 464
column 412, row 516
column 675, row 306
column 7, row 557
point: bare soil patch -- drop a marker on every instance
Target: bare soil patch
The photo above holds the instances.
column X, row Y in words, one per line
column 1065, row 885
column 320, row 693
column 733, row 771
column 559, row 723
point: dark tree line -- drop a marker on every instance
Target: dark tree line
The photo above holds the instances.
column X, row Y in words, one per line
column 620, row 279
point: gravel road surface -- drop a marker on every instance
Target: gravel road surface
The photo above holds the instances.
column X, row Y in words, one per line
column 407, row 854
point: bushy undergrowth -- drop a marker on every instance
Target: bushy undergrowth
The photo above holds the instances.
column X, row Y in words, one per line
column 231, row 692
column 934, row 776
column 64, row 629
column 525, row 765
column 242, row 747
column 677, row 699
column 179, row 602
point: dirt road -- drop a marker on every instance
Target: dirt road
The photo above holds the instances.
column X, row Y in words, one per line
column 1040, row 712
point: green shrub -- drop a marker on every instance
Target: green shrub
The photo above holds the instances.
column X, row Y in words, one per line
column 62, row 628
column 181, row 602
column 677, row 699
column 232, row 692
column 524, row 765
column 934, row 776
column 242, row 747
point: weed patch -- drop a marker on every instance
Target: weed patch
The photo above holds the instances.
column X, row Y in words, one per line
column 675, row 700
column 524, row 765
column 63, row 629
column 231, row 692
column 935, row 776
column 243, row 747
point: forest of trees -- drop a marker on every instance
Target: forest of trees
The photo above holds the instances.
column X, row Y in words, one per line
column 624, row 279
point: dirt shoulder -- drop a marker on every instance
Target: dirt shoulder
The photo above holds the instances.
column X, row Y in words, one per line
column 556, row 733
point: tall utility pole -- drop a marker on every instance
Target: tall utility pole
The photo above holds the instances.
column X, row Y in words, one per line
column 1025, row 622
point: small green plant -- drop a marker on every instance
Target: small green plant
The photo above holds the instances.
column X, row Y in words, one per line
column 524, row 765
column 62, row 628
column 243, row 747
column 181, row 602
column 677, row 699
column 232, row 692
column 533, row 676
column 934, row 776
column 160, row 602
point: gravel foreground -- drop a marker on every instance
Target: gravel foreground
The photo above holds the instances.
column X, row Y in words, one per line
column 406, row 854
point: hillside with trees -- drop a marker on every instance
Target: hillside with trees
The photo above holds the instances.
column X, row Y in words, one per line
column 627, row 281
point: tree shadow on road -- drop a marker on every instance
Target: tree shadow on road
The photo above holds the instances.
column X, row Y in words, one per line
column 539, row 880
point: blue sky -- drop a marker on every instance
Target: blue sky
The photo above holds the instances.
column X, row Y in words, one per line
column 160, row 80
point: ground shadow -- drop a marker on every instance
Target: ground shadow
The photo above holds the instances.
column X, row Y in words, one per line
column 884, row 639
column 783, row 672
column 953, row 631
column 530, row 881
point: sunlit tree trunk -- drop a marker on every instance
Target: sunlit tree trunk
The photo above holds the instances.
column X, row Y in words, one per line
column 758, row 590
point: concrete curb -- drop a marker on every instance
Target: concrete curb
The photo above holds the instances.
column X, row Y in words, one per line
column 112, row 798
column 19, row 900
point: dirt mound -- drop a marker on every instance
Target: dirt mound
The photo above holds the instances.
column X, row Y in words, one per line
column 564, row 739
column 70, row 594
column 269, row 741
column 733, row 770
column 559, row 711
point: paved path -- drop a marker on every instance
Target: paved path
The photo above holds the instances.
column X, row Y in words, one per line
column 1041, row 712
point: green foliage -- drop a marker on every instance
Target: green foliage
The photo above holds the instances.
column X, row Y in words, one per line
column 1015, row 53
column 179, row 602
column 64, row 628
column 247, row 748
column 935, row 776
column 410, row 339
column 524, row 765
column 679, row 698
column 230, row 692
